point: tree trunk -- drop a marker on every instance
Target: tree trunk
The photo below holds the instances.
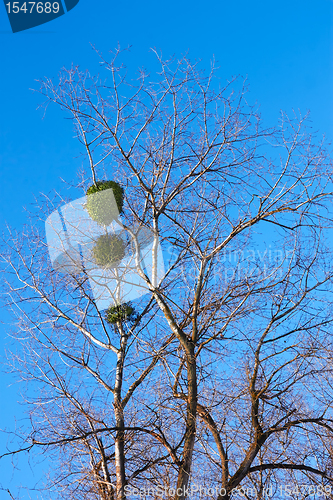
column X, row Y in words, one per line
column 119, row 417
column 184, row 473
column 120, row 454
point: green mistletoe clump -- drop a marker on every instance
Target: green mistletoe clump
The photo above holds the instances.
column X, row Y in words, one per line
column 100, row 208
column 123, row 312
column 109, row 250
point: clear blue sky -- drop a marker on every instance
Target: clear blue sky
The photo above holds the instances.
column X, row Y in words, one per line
column 283, row 48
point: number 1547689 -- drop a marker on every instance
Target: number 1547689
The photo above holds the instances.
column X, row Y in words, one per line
column 30, row 7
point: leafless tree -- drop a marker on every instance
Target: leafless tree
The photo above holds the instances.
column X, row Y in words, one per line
column 224, row 379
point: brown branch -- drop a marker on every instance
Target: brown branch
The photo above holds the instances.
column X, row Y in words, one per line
column 305, row 468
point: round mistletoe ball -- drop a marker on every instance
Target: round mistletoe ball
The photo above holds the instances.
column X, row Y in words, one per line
column 109, row 250
column 101, row 208
column 123, row 312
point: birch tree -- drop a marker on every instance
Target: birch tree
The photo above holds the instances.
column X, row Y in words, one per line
column 223, row 381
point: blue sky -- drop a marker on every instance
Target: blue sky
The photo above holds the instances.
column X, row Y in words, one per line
column 284, row 49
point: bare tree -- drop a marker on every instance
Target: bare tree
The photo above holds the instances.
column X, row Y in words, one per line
column 223, row 380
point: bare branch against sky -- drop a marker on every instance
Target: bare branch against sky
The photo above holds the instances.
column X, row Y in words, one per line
column 196, row 357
